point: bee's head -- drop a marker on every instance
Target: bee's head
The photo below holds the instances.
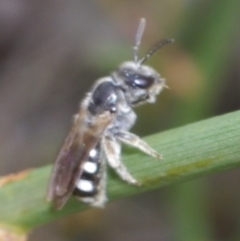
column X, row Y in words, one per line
column 140, row 82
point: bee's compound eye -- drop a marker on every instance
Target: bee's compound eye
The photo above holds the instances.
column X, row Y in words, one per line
column 143, row 82
column 139, row 80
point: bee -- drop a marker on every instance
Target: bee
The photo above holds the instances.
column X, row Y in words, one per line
column 100, row 128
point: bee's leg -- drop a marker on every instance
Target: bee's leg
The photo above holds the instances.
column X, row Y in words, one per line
column 135, row 141
column 112, row 149
column 101, row 198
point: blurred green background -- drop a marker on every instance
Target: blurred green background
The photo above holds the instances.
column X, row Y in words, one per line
column 52, row 51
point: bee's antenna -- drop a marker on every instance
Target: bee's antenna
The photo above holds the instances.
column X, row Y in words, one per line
column 138, row 38
column 155, row 48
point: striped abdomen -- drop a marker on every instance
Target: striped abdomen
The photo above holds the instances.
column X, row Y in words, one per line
column 87, row 185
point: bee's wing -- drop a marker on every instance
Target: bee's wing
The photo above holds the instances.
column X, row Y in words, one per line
column 85, row 134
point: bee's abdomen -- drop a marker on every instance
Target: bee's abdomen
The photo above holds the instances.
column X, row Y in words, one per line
column 88, row 182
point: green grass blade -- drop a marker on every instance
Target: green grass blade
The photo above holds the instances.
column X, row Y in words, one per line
column 189, row 152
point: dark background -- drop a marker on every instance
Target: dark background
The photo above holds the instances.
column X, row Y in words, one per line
column 51, row 52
